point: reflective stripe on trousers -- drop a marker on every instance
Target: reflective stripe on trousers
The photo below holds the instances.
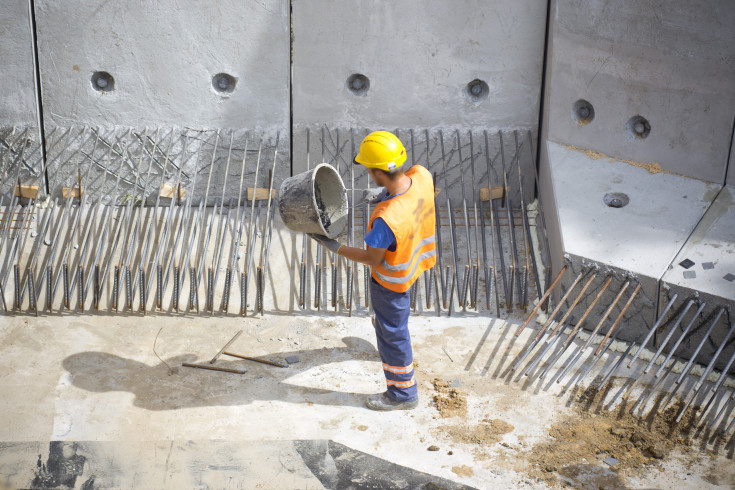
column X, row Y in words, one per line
column 394, row 340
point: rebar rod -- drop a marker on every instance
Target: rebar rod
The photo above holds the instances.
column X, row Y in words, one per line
column 557, row 280
column 618, row 363
column 251, row 253
column 598, row 357
column 718, row 384
column 175, row 289
column 495, row 223
column 528, row 246
column 547, row 247
column 450, row 209
column 113, row 246
column 591, row 306
column 221, row 240
column 31, row 293
column 620, row 317
column 578, row 326
column 681, row 338
column 153, row 222
column 268, row 226
column 703, row 378
column 247, row 263
column 653, row 329
column 465, row 280
column 236, row 237
column 669, row 335
column 96, row 289
column 553, row 339
column 583, row 348
column 16, row 280
column 334, row 260
column 586, row 286
column 693, row 357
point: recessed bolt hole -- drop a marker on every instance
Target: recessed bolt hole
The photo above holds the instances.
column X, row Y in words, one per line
column 476, row 91
column 583, row 112
column 102, row 81
column 223, row 83
column 638, row 127
column 616, row 199
column 358, row 84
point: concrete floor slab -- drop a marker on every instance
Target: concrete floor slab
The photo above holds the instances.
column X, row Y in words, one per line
column 96, row 389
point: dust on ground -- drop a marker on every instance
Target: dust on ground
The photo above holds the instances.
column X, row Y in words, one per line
column 450, row 402
column 463, row 470
column 488, row 431
column 583, row 440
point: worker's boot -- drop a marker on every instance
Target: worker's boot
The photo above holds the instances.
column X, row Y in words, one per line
column 383, row 402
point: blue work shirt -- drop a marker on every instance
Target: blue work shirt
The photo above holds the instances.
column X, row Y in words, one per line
column 380, row 235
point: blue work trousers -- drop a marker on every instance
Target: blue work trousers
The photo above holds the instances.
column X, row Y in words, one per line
column 394, row 341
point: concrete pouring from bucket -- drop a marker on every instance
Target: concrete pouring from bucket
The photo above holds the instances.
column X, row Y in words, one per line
column 314, row 201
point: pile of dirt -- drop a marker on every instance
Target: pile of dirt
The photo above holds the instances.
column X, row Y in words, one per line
column 592, row 437
column 450, row 402
column 485, row 433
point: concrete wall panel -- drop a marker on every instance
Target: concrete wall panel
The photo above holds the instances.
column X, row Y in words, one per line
column 674, row 65
column 17, row 85
column 418, row 56
column 163, row 56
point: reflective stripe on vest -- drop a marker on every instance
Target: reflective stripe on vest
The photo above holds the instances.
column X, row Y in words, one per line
column 406, row 265
column 401, row 280
column 411, row 218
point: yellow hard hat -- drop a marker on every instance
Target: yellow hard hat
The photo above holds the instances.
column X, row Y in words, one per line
column 381, row 150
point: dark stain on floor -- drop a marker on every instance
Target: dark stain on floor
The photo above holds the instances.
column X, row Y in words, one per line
column 340, row 467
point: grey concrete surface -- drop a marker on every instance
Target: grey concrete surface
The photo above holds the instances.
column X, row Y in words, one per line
column 18, row 94
column 115, row 412
column 419, row 57
column 642, row 237
column 671, row 64
column 711, row 251
column 163, row 57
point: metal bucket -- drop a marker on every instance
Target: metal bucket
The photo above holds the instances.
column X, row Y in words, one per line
column 314, row 201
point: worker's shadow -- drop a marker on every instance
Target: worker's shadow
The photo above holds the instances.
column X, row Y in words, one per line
column 155, row 389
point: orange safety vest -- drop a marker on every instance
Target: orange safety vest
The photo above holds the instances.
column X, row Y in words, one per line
column 410, row 216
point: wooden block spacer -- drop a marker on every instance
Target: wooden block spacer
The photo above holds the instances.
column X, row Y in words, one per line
column 171, row 191
column 74, row 191
column 261, row 194
column 27, row 191
column 498, row 191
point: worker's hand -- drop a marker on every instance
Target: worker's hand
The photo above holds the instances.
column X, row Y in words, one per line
column 331, row 244
column 374, row 196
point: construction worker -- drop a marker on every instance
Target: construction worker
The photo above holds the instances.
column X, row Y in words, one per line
column 400, row 246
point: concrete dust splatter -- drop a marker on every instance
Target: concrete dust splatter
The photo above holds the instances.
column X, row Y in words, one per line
column 450, row 402
column 463, row 470
column 586, row 438
column 485, row 433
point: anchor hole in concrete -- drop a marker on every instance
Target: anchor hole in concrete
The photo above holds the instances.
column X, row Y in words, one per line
column 616, row 199
column 103, row 81
column 583, row 112
column 638, row 127
column 223, row 83
column 476, row 91
column 358, row 84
